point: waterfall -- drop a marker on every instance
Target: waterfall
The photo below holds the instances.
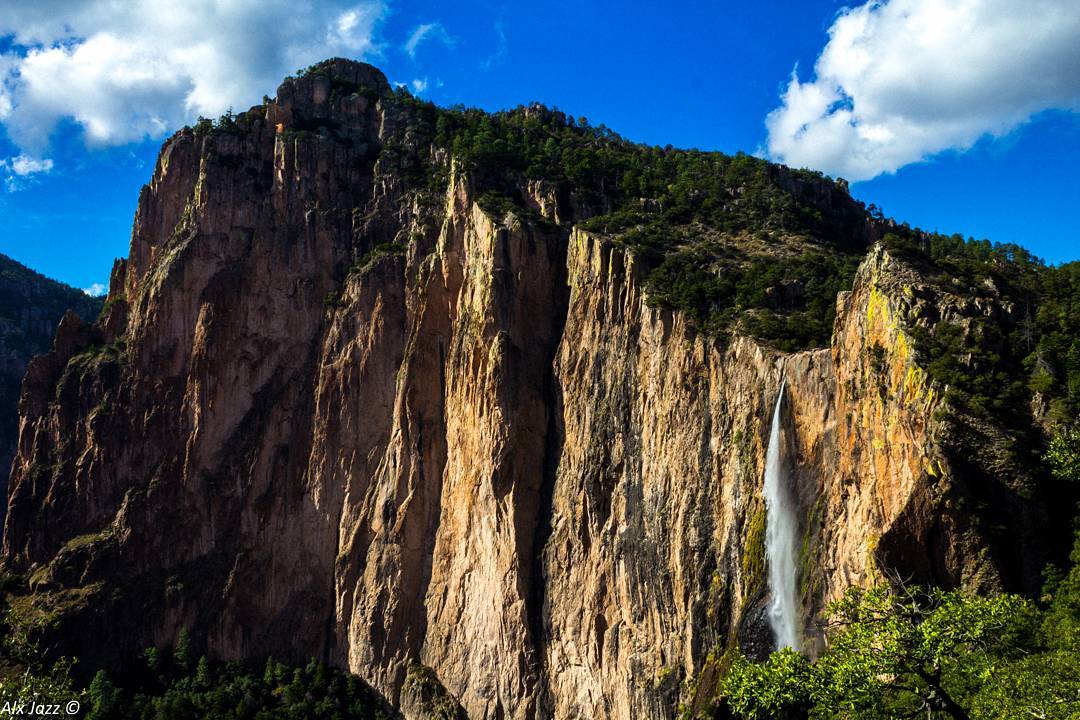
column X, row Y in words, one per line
column 781, row 531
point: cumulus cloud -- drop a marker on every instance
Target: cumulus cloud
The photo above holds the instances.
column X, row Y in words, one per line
column 96, row 290
column 427, row 31
column 902, row 80
column 126, row 71
column 419, row 85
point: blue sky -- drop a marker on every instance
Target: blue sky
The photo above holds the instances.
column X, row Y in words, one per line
column 965, row 133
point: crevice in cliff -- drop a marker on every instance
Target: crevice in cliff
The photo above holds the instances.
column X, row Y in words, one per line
column 553, row 446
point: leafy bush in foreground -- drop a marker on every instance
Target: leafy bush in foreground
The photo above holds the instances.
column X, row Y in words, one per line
column 911, row 653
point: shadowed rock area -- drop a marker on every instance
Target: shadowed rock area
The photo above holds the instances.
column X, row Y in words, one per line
column 31, row 306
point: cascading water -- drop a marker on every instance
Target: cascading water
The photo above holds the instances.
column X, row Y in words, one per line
column 780, row 537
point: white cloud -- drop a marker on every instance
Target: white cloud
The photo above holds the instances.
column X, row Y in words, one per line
column 129, row 70
column 426, row 31
column 902, row 80
column 419, row 85
column 23, row 165
column 18, row 172
column 355, row 28
column 96, row 290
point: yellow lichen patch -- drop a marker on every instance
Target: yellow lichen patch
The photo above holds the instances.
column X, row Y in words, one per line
column 931, row 396
column 872, row 570
column 877, row 307
column 903, row 349
column 915, row 384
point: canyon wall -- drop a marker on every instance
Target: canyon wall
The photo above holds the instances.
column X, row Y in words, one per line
column 321, row 416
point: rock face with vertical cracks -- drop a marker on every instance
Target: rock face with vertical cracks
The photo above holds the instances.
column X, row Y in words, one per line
column 452, row 449
column 31, row 305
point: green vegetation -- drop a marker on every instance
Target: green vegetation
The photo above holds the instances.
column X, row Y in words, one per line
column 378, row 252
column 81, row 541
column 496, row 204
column 992, row 365
column 109, row 304
column 601, row 168
column 744, row 246
column 438, row 704
column 97, row 355
column 900, row 651
column 906, row 652
column 26, row 672
column 740, row 245
column 1006, row 352
column 1063, row 455
column 339, row 87
column 165, row 684
column 229, row 123
column 172, row 686
column 101, row 362
column 23, row 289
column 753, row 559
column 787, row 301
column 929, row 654
column 737, row 243
column 43, row 686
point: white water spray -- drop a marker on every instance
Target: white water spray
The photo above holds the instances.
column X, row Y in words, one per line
column 780, row 535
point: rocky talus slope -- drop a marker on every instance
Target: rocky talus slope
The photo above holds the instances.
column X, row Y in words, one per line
column 447, row 446
column 31, row 306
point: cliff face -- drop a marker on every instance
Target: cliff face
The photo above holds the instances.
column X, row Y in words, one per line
column 31, row 306
column 324, row 415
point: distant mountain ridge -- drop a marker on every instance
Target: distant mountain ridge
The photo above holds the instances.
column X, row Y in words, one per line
column 31, row 306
